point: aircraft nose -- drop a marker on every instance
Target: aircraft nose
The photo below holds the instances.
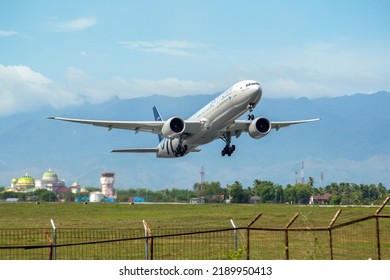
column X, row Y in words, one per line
column 257, row 90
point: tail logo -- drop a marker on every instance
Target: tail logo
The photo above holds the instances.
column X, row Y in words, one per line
column 157, row 117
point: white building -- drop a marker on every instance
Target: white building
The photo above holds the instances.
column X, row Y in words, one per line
column 96, row 197
column 75, row 188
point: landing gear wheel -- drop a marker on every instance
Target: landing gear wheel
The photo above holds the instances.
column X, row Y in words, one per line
column 251, row 106
column 251, row 117
column 181, row 150
column 227, row 150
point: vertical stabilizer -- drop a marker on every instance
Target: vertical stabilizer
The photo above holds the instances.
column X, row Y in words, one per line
column 157, row 117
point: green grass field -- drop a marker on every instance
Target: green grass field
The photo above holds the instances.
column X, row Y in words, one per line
column 357, row 241
column 192, row 216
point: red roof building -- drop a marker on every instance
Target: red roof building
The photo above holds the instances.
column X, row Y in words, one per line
column 319, row 199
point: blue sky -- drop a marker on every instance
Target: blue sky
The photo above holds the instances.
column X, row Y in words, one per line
column 66, row 53
column 62, row 53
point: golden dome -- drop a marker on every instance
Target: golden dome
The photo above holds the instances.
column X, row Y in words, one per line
column 26, row 181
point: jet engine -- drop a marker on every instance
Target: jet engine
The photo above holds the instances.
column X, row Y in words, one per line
column 173, row 127
column 259, row 127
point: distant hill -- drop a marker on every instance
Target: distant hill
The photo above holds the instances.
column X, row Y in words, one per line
column 350, row 143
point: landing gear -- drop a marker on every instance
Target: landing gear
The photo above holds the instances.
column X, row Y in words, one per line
column 251, row 106
column 180, row 150
column 229, row 149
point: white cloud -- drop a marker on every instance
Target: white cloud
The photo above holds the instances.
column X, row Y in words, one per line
column 315, row 69
column 74, row 74
column 170, row 47
column 312, row 83
column 5, row 33
column 23, row 89
column 97, row 91
column 171, row 87
column 75, row 25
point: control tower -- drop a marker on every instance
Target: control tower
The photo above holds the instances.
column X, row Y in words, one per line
column 107, row 180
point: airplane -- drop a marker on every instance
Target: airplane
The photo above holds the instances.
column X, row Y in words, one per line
column 217, row 120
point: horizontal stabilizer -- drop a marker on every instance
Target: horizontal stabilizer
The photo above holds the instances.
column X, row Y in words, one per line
column 136, row 150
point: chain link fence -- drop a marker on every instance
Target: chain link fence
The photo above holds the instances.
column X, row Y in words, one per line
column 362, row 238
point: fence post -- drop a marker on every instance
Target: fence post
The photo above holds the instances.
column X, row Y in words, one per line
column 148, row 235
column 286, row 235
column 378, row 241
column 146, row 240
column 54, row 257
column 330, row 233
column 235, row 236
column 382, row 206
column 248, row 235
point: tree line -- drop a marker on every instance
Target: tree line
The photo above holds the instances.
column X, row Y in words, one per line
column 265, row 192
column 259, row 192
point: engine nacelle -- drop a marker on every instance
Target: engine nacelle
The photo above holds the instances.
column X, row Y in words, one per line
column 173, row 127
column 259, row 127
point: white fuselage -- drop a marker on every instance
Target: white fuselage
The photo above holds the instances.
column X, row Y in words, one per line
column 216, row 116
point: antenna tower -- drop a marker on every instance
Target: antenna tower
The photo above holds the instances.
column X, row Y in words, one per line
column 202, row 178
column 302, row 173
column 296, row 177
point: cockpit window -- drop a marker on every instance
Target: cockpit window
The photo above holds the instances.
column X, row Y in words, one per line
column 251, row 84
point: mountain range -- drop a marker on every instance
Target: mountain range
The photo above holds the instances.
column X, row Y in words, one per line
column 349, row 144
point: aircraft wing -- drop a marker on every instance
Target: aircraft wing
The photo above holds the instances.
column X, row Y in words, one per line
column 243, row 125
column 191, row 127
column 278, row 125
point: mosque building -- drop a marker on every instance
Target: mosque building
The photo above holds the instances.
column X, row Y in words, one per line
column 23, row 184
column 50, row 182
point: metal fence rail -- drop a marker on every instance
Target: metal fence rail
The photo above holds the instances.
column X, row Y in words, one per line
column 362, row 238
